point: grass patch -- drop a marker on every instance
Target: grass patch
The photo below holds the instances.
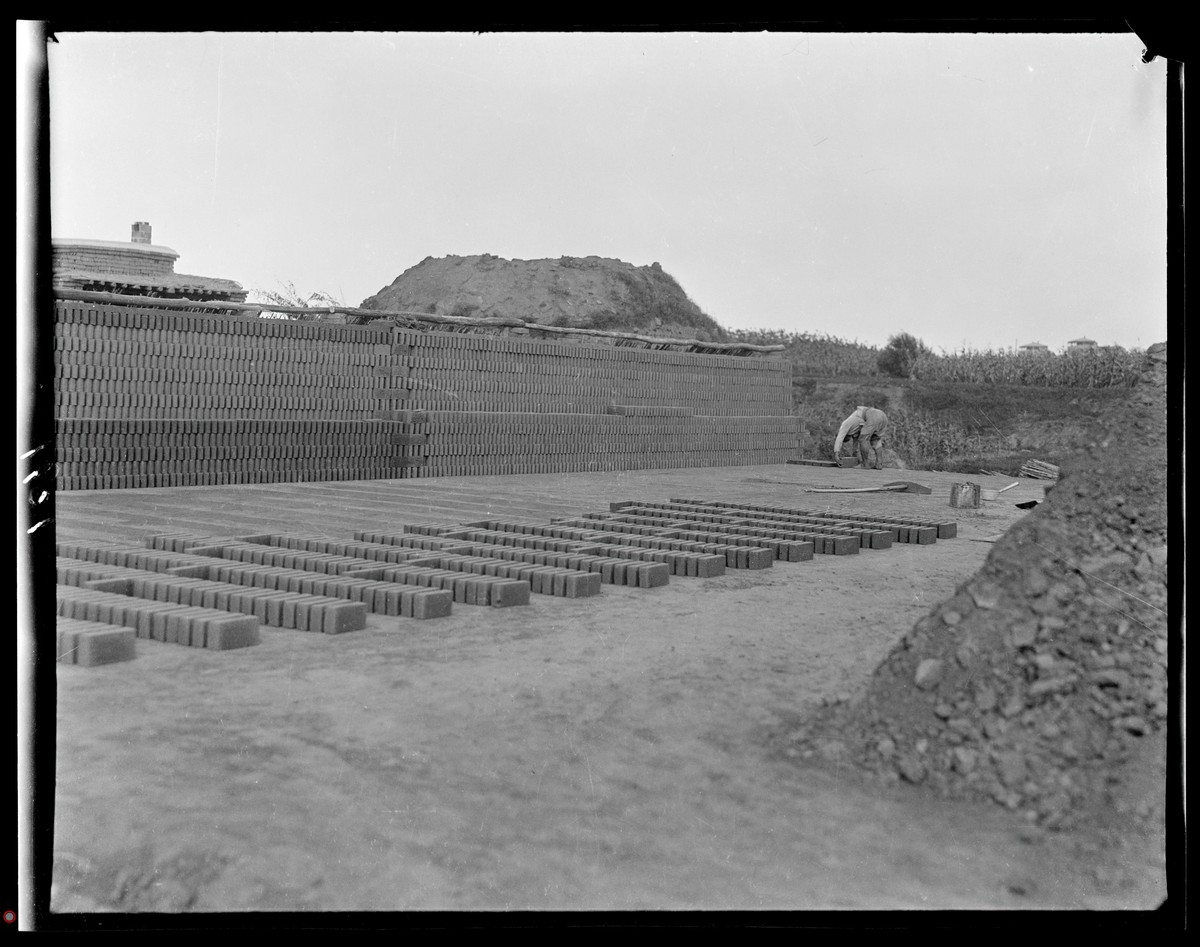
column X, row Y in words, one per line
column 1003, row 409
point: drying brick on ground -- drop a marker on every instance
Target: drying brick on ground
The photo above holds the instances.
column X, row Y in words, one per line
column 1042, row 684
column 215, row 592
column 149, row 397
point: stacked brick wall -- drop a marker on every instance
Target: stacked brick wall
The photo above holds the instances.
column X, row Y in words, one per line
column 479, row 444
column 121, row 363
column 444, row 371
column 149, row 397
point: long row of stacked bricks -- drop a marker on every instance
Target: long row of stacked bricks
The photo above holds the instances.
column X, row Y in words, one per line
column 216, row 593
column 148, row 397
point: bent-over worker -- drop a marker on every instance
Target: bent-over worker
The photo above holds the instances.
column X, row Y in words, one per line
column 865, row 428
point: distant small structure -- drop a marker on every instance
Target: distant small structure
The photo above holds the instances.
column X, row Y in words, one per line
column 137, row 268
column 1035, row 348
column 1076, row 345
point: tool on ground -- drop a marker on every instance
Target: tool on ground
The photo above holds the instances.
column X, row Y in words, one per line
column 995, row 494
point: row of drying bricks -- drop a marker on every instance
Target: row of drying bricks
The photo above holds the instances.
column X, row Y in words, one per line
column 181, row 604
column 867, row 531
column 297, row 605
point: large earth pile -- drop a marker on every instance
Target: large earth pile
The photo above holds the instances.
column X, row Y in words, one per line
column 589, row 292
column 1042, row 683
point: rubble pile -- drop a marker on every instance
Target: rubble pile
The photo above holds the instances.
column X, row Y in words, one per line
column 1042, row 683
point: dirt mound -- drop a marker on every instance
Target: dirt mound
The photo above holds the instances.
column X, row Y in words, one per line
column 581, row 292
column 1041, row 684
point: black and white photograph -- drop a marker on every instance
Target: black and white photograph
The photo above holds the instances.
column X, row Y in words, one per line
column 651, row 475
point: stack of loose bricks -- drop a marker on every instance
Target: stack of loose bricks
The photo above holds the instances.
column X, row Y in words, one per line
column 216, row 592
column 150, row 397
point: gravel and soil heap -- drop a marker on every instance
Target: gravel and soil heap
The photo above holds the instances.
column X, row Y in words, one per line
column 579, row 292
column 1042, row 683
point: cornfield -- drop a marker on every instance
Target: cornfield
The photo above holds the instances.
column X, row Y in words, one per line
column 820, row 355
column 1087, row 368
column 826, row 356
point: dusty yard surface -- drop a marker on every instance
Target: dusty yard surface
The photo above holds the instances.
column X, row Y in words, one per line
column 608, row 753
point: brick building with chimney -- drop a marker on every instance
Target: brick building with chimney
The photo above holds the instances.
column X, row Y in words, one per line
column 137, row 268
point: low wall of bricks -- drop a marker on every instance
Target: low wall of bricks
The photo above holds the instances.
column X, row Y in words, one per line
column 148, row 397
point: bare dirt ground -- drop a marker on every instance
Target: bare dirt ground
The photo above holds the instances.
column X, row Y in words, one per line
column 604, row 754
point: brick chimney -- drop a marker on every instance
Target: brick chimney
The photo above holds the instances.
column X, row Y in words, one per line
column 141, row 232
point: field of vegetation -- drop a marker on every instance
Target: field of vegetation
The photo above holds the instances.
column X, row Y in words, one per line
column 823, row 356
column 968, row 411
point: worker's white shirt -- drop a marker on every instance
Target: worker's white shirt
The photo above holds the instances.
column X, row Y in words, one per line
column 865, row 422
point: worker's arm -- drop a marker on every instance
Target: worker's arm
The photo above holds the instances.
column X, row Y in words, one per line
column 841, row 435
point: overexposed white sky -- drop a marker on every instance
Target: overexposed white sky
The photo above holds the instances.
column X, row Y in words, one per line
column 976, row 190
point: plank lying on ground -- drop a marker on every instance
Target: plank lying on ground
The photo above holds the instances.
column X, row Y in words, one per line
column 892, row 489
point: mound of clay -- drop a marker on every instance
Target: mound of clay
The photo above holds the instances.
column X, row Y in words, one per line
column 1042, row 683
column 589, row 292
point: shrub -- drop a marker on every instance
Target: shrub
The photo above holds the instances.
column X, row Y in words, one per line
column 901, row 355
column 291, row 297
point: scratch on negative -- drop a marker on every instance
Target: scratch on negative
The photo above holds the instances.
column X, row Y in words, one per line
column 30, row 453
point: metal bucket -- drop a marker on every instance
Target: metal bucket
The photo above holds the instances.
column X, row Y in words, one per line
column 965, row 496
